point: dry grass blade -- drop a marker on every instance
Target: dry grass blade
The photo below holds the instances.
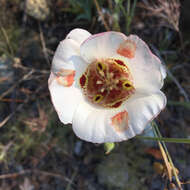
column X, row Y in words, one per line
column 168, row 166
column 167, row 158
column 7, row 40
column 44, row 45
column 101, row 15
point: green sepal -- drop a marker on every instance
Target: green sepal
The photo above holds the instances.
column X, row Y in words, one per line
column 109, row 147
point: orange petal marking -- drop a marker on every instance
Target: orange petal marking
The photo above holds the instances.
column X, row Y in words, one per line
column 127, row 49
column 65, row 77
column 120, row 121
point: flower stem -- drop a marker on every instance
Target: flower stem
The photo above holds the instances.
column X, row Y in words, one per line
column 129, row 15
column 163, row 147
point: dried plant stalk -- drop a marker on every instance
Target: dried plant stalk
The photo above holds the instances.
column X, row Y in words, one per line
column 167, row 10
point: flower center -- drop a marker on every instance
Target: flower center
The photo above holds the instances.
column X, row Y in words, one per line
column 107, row 83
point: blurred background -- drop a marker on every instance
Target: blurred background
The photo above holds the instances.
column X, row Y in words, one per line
column 37, row 152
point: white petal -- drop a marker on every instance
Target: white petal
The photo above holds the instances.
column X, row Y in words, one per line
column 95, row 124
column 89, row 123
column 142, row 109
column 65, row 99
column 78, row 35
column 65, row 54
column 101, row 45
column 146, row 68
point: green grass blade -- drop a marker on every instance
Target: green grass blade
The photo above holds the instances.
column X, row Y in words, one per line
column 175, row 103
column 165, row 139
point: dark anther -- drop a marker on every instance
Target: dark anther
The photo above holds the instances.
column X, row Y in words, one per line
column 97, row 98
column 100, row 66
column 127, row 85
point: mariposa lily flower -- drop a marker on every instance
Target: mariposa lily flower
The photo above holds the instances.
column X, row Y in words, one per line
column 107, row 85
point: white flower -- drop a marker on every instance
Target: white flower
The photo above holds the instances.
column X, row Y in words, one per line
column 107, row 85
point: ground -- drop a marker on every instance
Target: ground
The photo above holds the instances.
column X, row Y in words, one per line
column 36, row 150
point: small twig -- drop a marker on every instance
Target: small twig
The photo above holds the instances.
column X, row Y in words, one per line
column 36, row 171
column 101, row 15
column 43, row 45
column 17, row 109
column 52, row 175
column 181, row 89
column 12, row 114
column 5, row 120
column 13, row 175
column 12, row 88
column 51, row 52
column 25, row 77
column 20, row 66
column 179, row 66
column 24, row 18
column 181, row 40
column 5, row 149
column 11, row 100
column 72, row 179
column 110, row 5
